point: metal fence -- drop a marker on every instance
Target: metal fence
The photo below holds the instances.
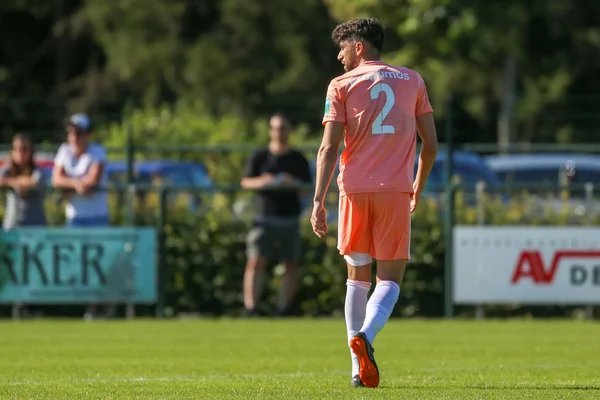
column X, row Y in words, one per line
column 128, row 198
column 144, row 205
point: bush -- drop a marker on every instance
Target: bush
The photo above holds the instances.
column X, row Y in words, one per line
column 176, row 132
column 204, row 257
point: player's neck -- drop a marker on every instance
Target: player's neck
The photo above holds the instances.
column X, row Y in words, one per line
column 276, row 147
column 369, row 59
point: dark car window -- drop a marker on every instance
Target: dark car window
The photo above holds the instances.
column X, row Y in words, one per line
column 470, row 174
column 583, row 175
column 548, row 176
column 176, row 176
column 200, row 177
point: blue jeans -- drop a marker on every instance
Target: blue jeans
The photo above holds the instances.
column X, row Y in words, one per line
column 84, row 222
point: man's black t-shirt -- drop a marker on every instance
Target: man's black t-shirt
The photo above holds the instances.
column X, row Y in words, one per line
column 278, row 203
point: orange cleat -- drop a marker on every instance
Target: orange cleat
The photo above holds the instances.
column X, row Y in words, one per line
column 368, row 372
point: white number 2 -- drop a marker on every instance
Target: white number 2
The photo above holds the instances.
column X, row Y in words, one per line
column 378, row 128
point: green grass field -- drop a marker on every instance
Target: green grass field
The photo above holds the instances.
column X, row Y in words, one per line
column 297, row 359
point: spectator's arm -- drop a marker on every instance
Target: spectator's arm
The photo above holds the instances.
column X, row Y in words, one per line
column 252, row 179
column 5, row 181
column 94, row 175
column 60, row 180
column 35, row 180
column 256, row 182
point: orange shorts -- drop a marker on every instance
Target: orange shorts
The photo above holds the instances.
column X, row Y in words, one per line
column 375, row 223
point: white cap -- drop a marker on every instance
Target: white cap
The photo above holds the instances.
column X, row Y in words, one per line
column 81, row 121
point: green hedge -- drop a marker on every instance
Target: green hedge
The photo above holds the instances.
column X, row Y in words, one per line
column 204, row 257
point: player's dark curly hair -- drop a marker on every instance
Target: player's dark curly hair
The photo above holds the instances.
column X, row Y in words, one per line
column 368, row 29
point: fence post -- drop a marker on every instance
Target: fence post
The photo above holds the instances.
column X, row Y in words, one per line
column 480, row 202
column 450, row 190
column 589, row 205
column 131, row 197
column 162, row 268
column 15, row 307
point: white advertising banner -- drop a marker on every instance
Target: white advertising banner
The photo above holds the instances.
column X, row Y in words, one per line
column 533, row 265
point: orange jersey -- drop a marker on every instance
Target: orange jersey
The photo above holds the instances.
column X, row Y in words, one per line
column 378, row 103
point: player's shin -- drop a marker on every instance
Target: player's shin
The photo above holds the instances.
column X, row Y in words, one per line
column 355, row 310
column 379, row 308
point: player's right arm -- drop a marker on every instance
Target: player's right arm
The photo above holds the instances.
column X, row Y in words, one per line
column 428, row 135
column 253, row 180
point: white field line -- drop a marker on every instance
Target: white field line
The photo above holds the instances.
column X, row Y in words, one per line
column 262, row 375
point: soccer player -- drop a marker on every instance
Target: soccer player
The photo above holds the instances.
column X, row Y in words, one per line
column 380, row 108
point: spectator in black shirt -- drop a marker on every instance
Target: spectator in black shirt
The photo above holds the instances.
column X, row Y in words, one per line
column 275, row 172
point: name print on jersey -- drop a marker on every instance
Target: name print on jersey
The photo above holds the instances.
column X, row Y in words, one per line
column 381, row 74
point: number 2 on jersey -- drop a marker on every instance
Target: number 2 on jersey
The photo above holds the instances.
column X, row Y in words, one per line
column 378, row 128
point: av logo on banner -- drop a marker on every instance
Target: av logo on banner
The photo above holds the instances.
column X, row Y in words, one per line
column 530, row 265
column 526, row 265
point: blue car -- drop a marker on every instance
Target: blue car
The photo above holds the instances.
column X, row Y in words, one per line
column 470, row 167
column 552, row 169
column 545, row 168
column 180, row 173
column 172, row 172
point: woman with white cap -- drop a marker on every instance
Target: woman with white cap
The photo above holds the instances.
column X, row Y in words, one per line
column 79, row 169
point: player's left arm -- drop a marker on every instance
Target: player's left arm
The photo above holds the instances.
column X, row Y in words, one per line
column 327, row 158
column 428, row 135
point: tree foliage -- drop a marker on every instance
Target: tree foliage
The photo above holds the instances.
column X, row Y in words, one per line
column 463, row 47
column 528, row 64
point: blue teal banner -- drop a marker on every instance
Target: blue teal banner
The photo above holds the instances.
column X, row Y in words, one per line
column 78, row 265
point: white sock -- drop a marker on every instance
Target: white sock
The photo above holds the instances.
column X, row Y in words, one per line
column 355, row 307
column 379, row 308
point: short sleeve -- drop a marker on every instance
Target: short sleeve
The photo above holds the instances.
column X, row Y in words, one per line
column 334, row 104
column 251, row 170
column 305, row 175
column 61, row 156
column 423, row 105
column 98, row 154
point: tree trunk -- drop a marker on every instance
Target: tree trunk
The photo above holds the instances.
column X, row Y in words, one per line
column 506, row 117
